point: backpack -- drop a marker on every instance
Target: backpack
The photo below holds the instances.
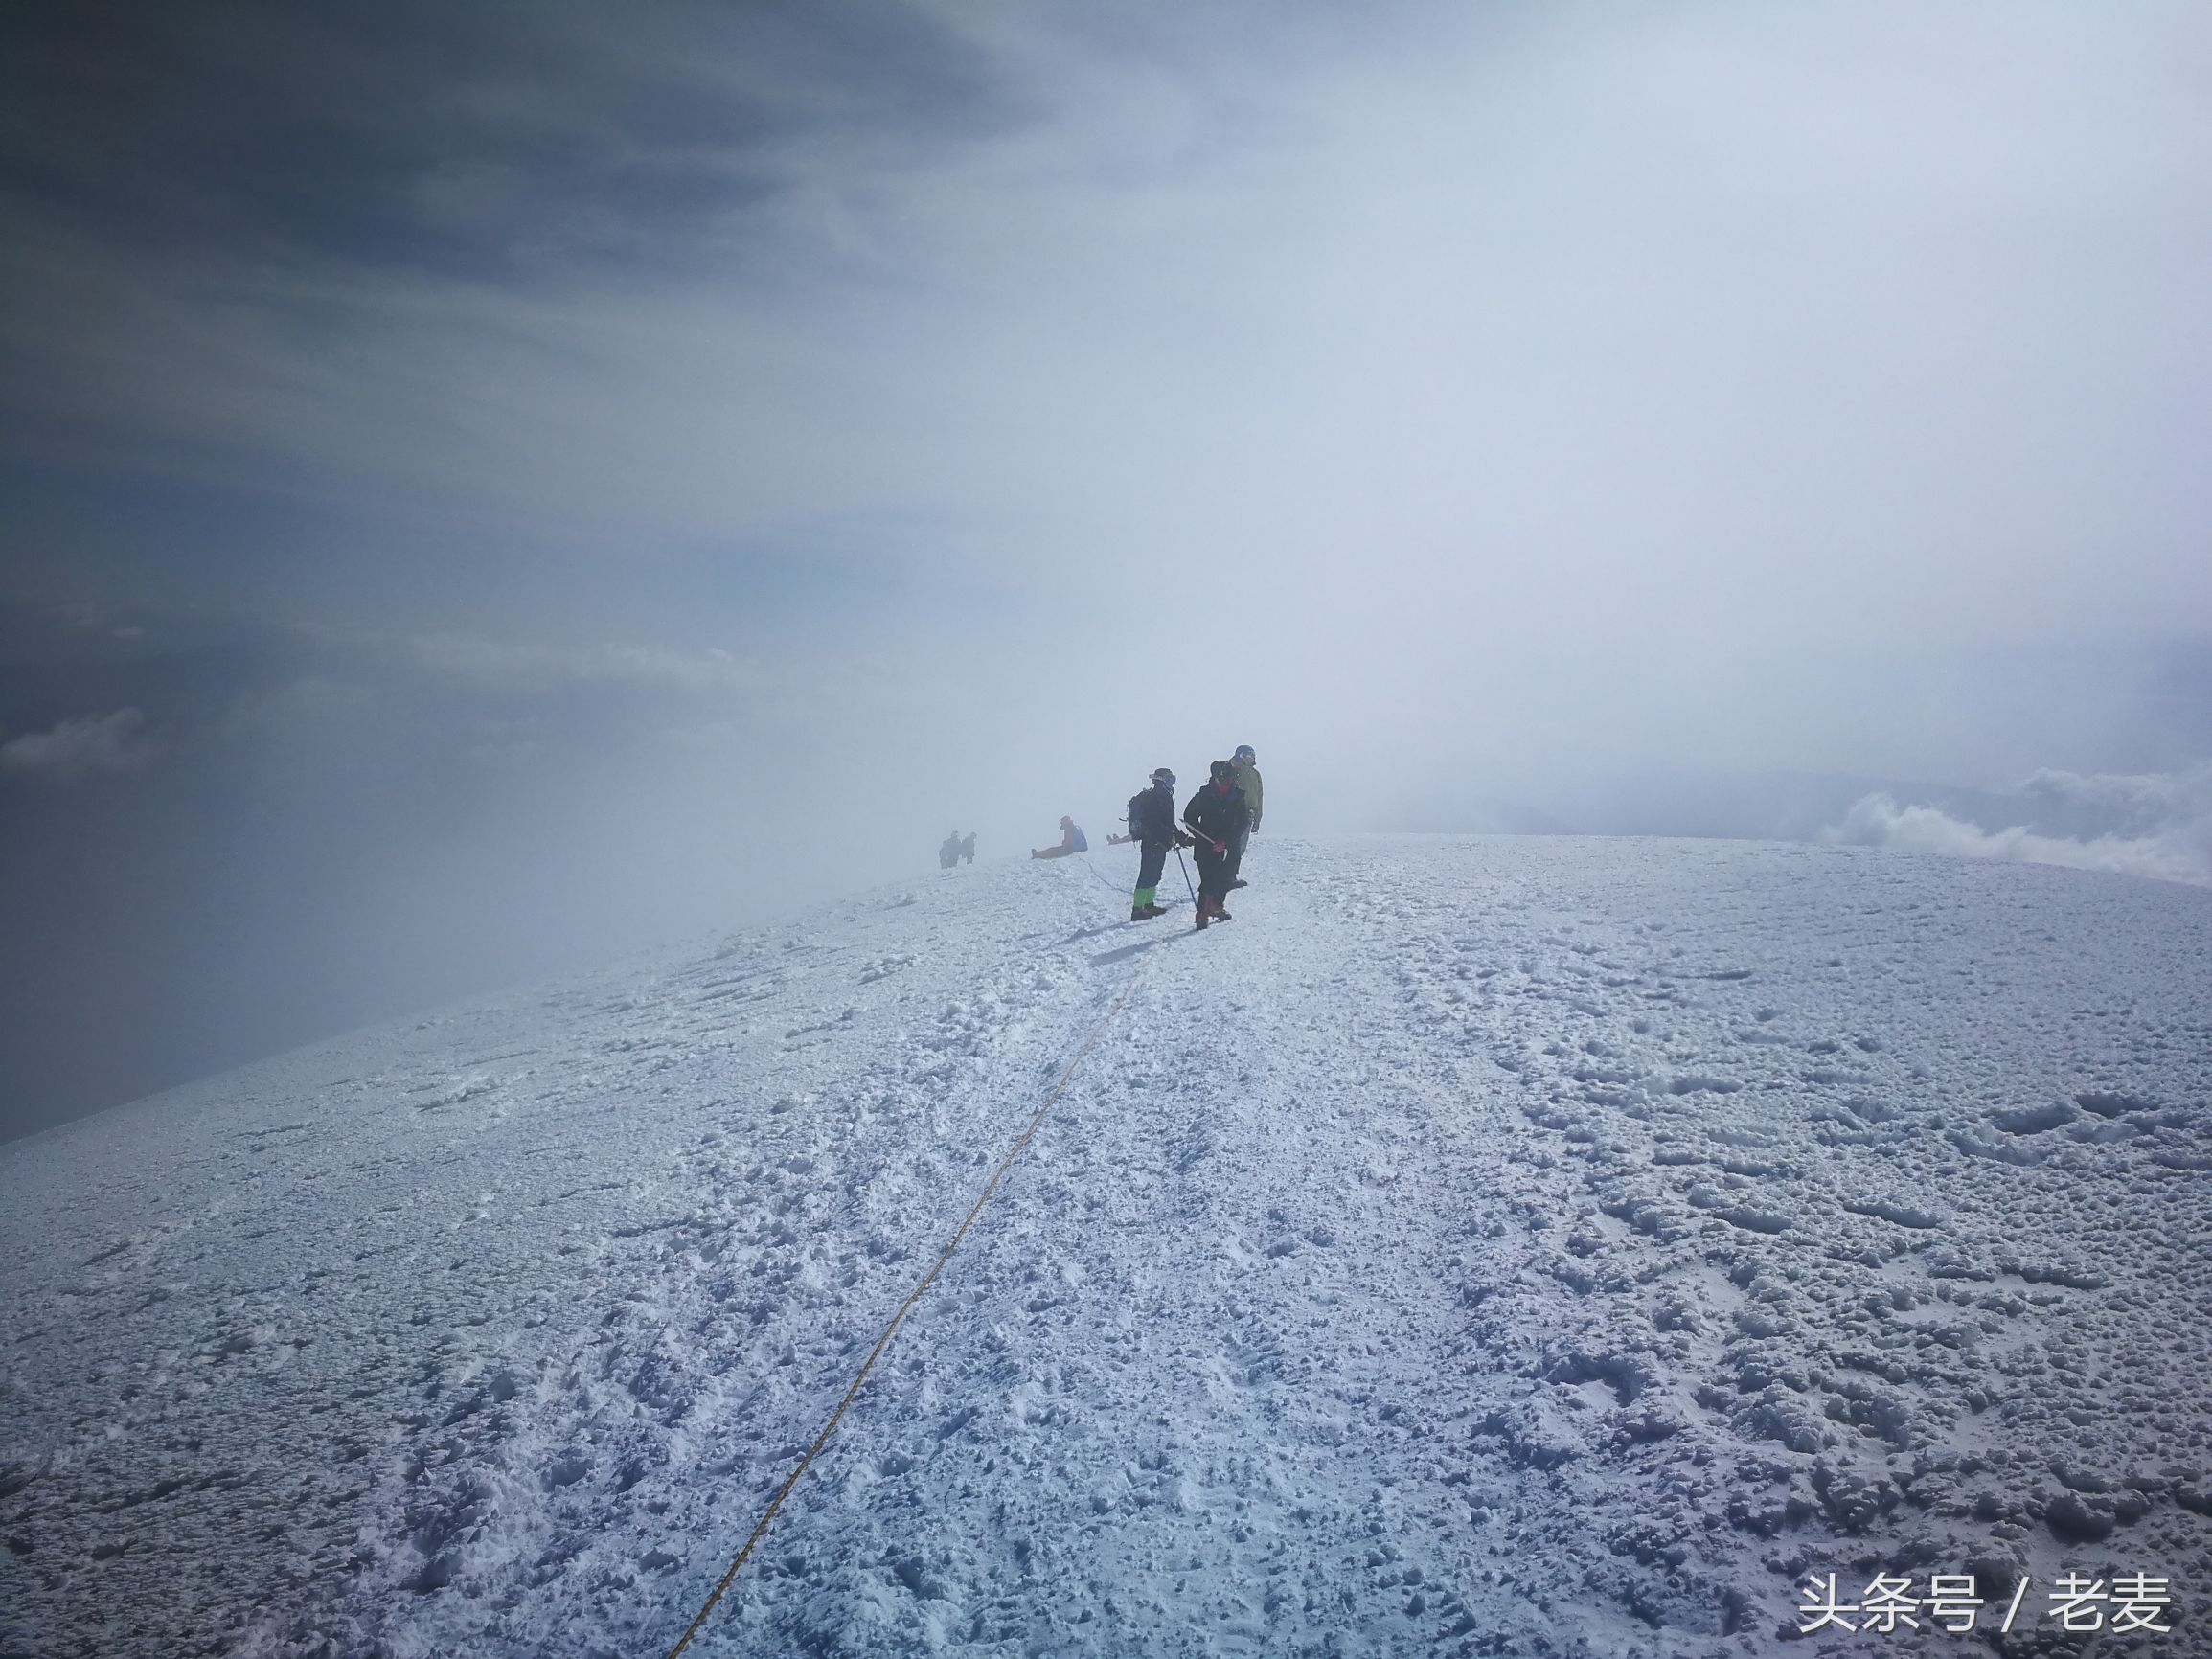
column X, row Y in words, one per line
column 1134, row 816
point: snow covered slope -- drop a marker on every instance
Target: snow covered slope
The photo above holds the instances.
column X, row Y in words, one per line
column 1483, row 1245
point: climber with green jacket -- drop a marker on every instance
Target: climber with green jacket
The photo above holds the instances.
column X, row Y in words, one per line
column 1247, row 764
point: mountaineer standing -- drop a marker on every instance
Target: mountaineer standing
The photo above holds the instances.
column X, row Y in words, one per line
column 1247, row 766
column 1152, row 827
column 1219, row 818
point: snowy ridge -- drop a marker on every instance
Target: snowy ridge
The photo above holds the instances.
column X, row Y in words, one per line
column 1493, row 1245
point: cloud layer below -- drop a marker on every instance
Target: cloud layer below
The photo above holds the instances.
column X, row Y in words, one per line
column 2160, row 826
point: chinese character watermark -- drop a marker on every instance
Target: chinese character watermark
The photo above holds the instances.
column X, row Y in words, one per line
column 1954, row 1603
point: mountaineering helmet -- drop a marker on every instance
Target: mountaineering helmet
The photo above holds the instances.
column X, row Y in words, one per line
column 1161, row 775
column 1244, row 752
column 1222, row 769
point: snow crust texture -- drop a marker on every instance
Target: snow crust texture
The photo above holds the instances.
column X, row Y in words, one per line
column 1479, row 1245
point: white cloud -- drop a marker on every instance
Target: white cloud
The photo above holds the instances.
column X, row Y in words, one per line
column 73, row 748
column 2137, row 799
column 526, row 664
column 2167, row 832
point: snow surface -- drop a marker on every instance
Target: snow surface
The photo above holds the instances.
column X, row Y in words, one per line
column 1485, row 1245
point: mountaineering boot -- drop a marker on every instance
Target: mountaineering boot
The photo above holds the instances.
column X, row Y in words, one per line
column 1239, row 881
column 1205, row 909
column 1145, row 912
column 1220, row 915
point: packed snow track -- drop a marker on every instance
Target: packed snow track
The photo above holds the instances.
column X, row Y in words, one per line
column 1478, row 1245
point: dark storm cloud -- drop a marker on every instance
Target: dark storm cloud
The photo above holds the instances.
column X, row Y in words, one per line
column 481, row 141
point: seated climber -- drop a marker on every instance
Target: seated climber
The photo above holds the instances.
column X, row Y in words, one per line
column 1070, row 841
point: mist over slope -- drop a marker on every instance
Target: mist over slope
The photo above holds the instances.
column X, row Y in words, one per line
column 1480, row 1243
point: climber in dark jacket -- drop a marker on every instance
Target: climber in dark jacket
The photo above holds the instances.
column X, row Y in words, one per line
column 1153, row 826
column 1217, row 817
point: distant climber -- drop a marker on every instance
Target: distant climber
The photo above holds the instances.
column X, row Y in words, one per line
column 968, row 848
column 1070, row 841
column 1152, row 820
column 1217, row 817
column 948, row 854
column 1247, row 765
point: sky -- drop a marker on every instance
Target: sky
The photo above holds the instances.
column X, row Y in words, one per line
column 487, row 488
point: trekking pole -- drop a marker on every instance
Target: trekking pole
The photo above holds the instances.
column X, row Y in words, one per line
column 1186, row 870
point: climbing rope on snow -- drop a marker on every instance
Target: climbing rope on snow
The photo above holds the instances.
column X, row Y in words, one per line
column 1104, row 882
column 990, row 1187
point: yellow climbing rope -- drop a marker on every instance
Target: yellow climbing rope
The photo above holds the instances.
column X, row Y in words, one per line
column 760, row 1529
